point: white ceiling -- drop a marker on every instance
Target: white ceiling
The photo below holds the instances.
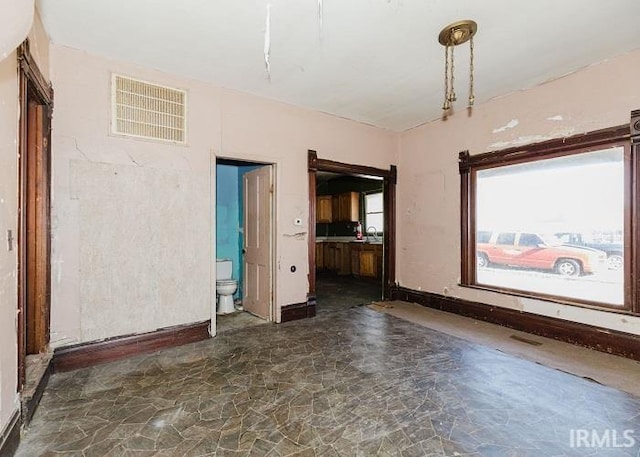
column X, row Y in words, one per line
column 378, row 61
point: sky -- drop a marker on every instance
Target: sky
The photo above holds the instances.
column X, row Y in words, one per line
column 584, row 196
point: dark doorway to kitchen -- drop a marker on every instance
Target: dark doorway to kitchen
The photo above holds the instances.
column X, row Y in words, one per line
column 349, row 240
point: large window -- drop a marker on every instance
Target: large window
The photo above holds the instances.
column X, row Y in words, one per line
column 552, row 220
column 374, row 215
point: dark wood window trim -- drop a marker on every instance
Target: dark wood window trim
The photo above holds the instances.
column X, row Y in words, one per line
column 389, row 178
column 624, row 136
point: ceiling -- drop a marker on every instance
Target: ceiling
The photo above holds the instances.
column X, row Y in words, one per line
column 373, row 61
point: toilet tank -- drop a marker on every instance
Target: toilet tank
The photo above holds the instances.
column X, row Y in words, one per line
column 224, row 268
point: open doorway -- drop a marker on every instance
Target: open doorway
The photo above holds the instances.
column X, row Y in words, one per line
column 34, row 237
column 349, row 240
column 244, row 244
column 352, row 234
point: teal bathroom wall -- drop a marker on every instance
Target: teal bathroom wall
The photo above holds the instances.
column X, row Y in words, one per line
column 228, row 198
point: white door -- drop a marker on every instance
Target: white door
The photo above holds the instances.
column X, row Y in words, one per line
column 257, row 193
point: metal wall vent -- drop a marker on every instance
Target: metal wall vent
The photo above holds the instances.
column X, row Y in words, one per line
column 145, row 110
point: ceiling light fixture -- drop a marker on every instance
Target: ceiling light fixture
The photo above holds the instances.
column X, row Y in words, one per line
column 450, row 37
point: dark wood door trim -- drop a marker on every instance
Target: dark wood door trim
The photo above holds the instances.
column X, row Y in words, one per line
column 390, row 178
column 36, row 92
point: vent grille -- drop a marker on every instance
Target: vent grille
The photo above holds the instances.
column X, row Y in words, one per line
column 145, row 110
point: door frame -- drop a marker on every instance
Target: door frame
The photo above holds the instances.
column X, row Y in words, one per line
column 272, row 238
column 390, row 178
column 33, row 87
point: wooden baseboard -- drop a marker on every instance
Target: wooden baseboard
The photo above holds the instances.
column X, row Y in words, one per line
column 93, row 353
column 598, row 338
column 299, row 310
column 10, row 437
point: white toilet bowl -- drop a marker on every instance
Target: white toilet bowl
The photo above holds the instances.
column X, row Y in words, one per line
column 225, row 288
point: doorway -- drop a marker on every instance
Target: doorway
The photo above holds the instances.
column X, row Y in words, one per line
column 34, row 221
column 351, row 233
column 245, row 211
column 349, row 240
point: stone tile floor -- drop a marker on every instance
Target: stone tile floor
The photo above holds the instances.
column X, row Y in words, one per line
column 237, row 320
column 353, row 382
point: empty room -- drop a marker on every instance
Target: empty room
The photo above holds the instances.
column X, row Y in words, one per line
column 319, row 228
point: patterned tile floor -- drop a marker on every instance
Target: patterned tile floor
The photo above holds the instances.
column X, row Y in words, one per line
column 352, row 382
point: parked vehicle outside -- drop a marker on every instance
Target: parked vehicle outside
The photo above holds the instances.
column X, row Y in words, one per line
column 536, row 251
column 614, row 251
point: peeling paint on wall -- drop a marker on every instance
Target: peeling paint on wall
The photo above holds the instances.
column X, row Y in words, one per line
column 520, row 141
column 511, row 124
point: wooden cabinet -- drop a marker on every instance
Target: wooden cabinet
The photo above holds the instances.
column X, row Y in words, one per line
column 338, row 208
column 344, row 258
column 350, row 258
column 319, row 256
column 368, row 264
column 324, row 208
column 334, row 256
column 346, row 207
column 366, row 260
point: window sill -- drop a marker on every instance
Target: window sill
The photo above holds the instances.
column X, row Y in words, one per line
column 623, row 309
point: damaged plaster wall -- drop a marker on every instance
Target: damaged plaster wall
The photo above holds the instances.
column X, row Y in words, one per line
column 9, row 116
column 136, row 247
column 428, row 257
column 130, row 218
column 107, row 284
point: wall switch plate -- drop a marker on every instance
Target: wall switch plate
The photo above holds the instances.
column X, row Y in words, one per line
column 297, row 221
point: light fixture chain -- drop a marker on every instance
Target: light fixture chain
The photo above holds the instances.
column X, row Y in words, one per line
column 472, row 97
column 445, row 105
column 452, row 91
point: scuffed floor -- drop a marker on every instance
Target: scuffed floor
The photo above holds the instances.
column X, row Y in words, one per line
column 351, row 382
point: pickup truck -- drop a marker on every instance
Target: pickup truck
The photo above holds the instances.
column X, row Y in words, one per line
column 614, row 251
column 536, row 251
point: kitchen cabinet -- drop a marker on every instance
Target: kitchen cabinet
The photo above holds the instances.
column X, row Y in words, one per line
column 350, row 258
column 319, row 256
column 366, row 260
column 346, row 207
column 368, row 264
column 344, row 257
column 324, row 208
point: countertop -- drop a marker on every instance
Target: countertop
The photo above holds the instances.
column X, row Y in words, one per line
column 346, row 239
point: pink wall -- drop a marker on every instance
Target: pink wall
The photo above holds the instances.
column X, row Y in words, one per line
column 599, row 96
column 105, row 270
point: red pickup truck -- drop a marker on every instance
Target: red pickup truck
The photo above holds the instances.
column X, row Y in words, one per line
column 536, row 251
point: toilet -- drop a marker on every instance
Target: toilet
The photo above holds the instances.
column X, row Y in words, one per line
column 226, row 286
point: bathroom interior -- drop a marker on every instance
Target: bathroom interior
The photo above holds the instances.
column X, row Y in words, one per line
column 229, row 245
column 349, row 240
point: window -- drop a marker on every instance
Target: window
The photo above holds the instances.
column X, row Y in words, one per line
column 374, row 215
column 529, row 239
column 506, row 238
column 552, row 220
